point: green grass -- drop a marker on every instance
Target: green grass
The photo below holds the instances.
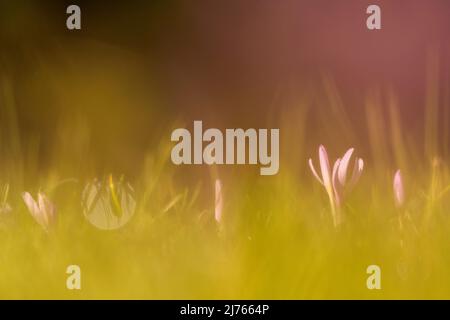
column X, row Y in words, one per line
column 277, row 241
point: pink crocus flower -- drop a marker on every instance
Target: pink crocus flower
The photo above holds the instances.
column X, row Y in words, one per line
column 337, row 182
column 219, row 201
column 399, row 190
column 341, row 183
column 42, row 210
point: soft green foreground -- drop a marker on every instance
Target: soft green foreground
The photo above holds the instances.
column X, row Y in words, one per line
column 277, row 242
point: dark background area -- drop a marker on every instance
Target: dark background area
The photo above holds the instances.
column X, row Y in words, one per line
column 138, row 67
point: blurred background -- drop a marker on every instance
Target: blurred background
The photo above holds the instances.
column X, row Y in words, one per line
column 75, row 105
column 139, row 68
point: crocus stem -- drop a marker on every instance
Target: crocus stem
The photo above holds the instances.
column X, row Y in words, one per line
column 334, row 210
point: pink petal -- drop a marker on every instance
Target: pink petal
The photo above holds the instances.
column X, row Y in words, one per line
column 314, row 171
column 325, row 167
column 342, row 174
column 33, row 208
column 338, row 189
column 30, row 203
column 399, row 191
column 357, row 171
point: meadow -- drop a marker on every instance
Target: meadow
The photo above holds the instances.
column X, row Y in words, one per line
column 275, row 239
